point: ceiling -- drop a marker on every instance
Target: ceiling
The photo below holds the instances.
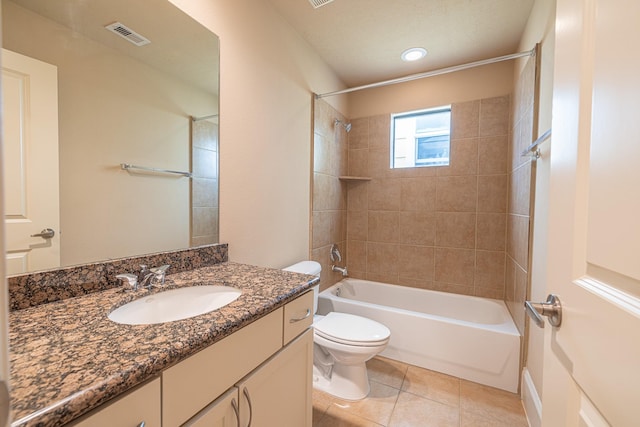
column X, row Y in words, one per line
column 362, row 40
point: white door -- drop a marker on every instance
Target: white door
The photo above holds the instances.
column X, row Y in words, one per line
column 592, row 361
column 30, row 127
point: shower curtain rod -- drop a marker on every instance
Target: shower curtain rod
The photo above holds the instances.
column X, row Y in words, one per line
column 446, row 70
column 197, row 119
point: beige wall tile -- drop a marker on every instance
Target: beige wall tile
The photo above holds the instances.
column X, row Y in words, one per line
column 358, row 162
column 520, row 295
column 323, row 117
column 384, row 277
column 338, row 230
column 205, row 135
column 494, row 116
column 380, row 164
column 415, row 283
column 382, row 258
column 359, row 135
column 452, row 288
column 204, row 192
column 357, row 225
column 417, row 228
column 357, row 255
column 455, row 266
column 321, row 234
column 456, row 230
column 492, row 193
column 489, row 293
column 204, row 221
column 510, row 279
column 418, row 194
column 520, row 190
column 493, row 155
column 358, row 196
column 384, row 194
column 416, row 262
column 456, row 193
column 518, row 238
column 491, row 231
column 465, row 119
column 204, row 163
column 322, row 154
column 379, row 131
column 490, row 270
column 463, row 158
column 383, row 226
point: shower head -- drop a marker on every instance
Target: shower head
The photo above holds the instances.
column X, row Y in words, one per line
column 347, row 126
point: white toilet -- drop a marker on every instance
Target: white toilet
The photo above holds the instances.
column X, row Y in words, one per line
column 342, row 344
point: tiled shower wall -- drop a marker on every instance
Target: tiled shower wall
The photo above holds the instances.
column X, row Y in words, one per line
column 329, row 192
column 520, row 175
column 204, row 184
column 441, row 228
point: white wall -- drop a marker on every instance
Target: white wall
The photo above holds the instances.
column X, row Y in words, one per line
column 267, row 76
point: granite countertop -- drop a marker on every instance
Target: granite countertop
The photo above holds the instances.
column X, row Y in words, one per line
column 67, row 357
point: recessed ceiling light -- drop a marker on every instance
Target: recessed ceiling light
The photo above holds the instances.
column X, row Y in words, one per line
column 413, row 54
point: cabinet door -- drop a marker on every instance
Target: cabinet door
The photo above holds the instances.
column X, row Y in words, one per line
column 222, row 412
column 136, row 408
column 278, row 393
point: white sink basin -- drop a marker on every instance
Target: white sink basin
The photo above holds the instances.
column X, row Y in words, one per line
column 176, row 304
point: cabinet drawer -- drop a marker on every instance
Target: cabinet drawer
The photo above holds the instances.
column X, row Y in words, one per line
column 198, row 380
column 137, row 406
column 298, row 316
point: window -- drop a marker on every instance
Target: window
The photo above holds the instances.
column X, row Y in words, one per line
column 421, row 138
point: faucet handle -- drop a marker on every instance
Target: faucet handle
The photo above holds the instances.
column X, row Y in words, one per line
column 160, row 272
column 130, row 279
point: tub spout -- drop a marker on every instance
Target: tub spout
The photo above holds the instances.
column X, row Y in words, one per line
column 342, row 270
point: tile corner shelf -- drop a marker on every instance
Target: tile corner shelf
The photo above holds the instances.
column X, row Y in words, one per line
column 354, row 178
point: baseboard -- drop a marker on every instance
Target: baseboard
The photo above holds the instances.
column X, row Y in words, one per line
column 531, row 400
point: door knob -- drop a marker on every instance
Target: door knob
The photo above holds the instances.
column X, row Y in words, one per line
column 47, row 233
column 552, row 309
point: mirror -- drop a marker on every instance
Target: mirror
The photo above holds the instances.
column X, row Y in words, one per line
column 153, row 106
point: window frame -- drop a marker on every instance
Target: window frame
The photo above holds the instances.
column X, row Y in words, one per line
column 417, row 162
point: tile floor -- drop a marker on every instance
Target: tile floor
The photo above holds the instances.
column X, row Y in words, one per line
column 407, row 396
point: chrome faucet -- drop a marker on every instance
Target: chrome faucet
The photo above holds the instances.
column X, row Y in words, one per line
column 148, row 277
column 342, row 270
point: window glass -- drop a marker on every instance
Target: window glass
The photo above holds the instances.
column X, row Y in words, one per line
column 421, row 138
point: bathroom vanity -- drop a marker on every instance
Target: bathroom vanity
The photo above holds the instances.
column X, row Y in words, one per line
column 249, row 360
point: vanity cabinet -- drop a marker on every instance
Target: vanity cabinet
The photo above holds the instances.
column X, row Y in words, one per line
column 264, row 370
column 278, row 393
column 138, row 407
column 259, row 375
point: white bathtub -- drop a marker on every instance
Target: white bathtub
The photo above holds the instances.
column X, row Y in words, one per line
column 468, row 337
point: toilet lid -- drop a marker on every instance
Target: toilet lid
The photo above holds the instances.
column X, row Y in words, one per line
column 351, row 329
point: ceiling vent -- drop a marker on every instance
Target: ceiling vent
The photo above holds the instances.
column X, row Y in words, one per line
column 128, row 34
column 317, row 3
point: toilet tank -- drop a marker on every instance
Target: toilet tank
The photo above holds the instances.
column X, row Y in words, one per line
column 308, row 267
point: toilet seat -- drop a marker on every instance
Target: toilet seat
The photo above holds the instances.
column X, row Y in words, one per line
column 351, row 330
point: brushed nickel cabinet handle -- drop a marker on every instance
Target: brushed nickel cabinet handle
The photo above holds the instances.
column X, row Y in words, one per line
column 246, row 394
column 234, row 405
column 298, row 319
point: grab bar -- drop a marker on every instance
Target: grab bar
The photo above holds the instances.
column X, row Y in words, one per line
column 127, row 166
column 533, row 149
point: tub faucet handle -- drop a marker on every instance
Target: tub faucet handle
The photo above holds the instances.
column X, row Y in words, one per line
column 335, row 253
